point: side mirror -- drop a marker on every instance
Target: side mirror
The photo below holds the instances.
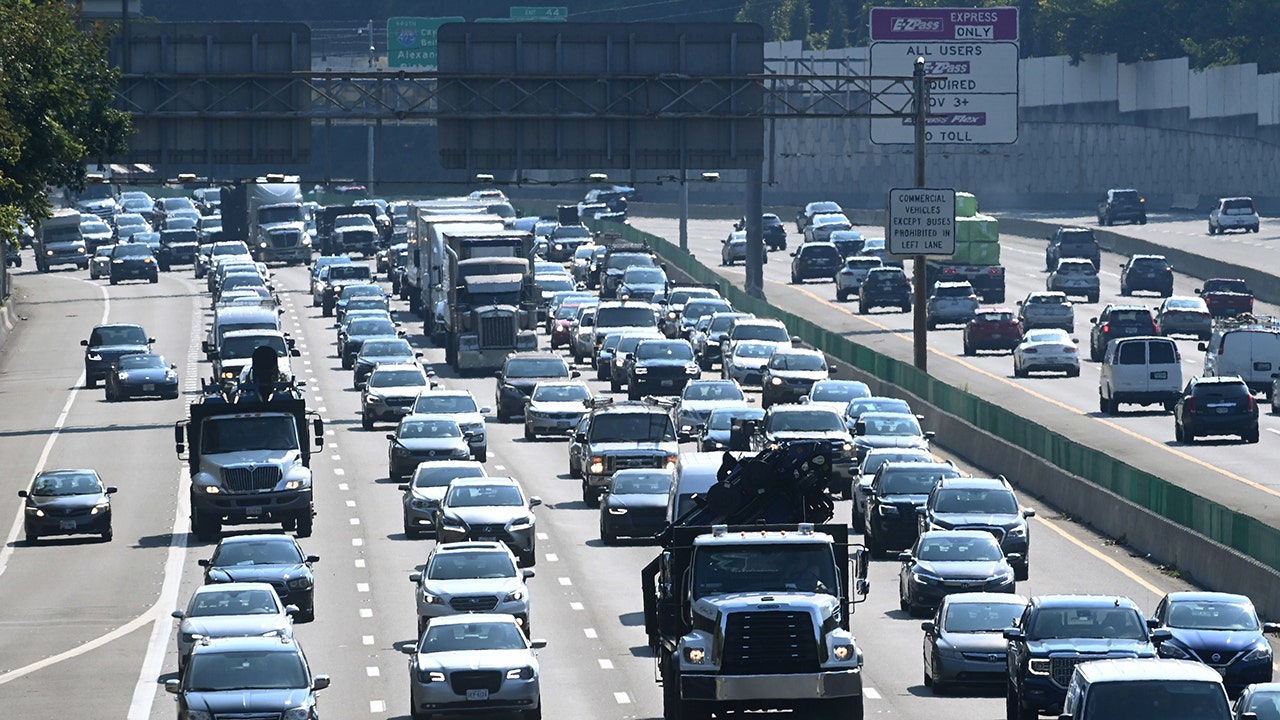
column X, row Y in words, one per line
column 929, row 435
column 1204, row 346
column 1014, row 634
column 498, row 374
column 320, row 682
column 1270, row 627
column 574, row 374
column 861, row 563
column 203, row 562
column 904, row 557
column 291, row 610
column 795, row 340
column 1028, row 512
column 84, row 343
column 1153, row 623
column 764, row 368
column 295, row 352
column 177, row 614
column 537, row 644
column 486, row 410
column 22, row 493
column 172, row 686
column 1161, row 635
column 112, row 489
column 927, row 626
column 535, row 501
column 1198, row 291
column 391, row 436
column 580, row 437
column 410, row 649
column 313, row 558
column 415, row 577
column 403, row 487
column 151, row 341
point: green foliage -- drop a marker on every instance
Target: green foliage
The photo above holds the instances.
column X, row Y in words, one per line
column 56, row 89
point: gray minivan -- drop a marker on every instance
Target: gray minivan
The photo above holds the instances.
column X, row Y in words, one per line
column 1142, row 370
column 1145, row 688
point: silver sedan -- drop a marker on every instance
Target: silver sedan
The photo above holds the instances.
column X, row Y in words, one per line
column 479, row 663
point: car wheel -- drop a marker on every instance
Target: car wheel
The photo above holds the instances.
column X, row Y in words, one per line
column 1177, row 433
column 968, row 349
column 534, row 714
column 155, row 279
column 1211, row 231
column 607, row 536
column 32, row 537
column 411, row 532
column 841, row 296
column 930, row 325
column 862, row 308
column 303, row 524
column 503, row 416
column 1011, row 703
column 113, row 280
column 1142, row 220
column 590, row 496
column 903, row 603
column 1188, row 436
column 1250, row 436
column 873, row 545
column 858, row 522
column 366, row 421
column 107, row 534
column 529, row 435
column 632, row 392
column 574, row 472
column 794, row 280
column 1092, row 297
column 1169, row 405
column 1073, row 372
column 1018, row 372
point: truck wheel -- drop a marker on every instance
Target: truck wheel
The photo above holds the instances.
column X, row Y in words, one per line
column 675, row 708
column 208, row 528
column 844, row 708
column 590, row 496
column 304, row 523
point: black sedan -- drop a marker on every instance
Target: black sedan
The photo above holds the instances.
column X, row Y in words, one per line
column 944, row 562
column 67, row 502
column 275, row 559
column 636, row 504
column 143, row 374
column 107, row 343
column 360, row 331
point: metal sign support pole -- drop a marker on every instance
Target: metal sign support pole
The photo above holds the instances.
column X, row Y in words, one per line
column 755, row 234
column 920, row 325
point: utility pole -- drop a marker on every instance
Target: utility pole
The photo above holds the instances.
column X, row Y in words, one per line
column 920, row 326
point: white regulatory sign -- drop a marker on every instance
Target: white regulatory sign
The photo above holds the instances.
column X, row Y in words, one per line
column 921, row 221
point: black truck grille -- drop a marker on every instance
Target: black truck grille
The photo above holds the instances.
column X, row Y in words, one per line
column 497, row 331
column 614, row 463
column 773, row 642
column 474, row 603
column 1061, row 668
column 358, row 239
column 463, row 680
column 251, row 479
column 286, row 239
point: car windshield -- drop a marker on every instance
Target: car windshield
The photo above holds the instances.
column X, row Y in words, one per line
column 721, row 322
column 257, row 552
column 682, row 297
column 215, row 603
column 432, row 474
column 236, row 348
column 236, row 434
column 959, row 549
column 560, row 393
column 723, row 419
column 1212, row 615
column 1106, row 621
column 554, row 283
column 634, row 316
column 994, row 317
column 975, row 502
column 664, row 350
column 820, row 252
column 357, row 290
column 879, row 456
column 66, row 483
column 980, row 617
column 570, row 231
column 754, row 350
column 397, row 378
column 467, row 565
column 372, row 327
column 858, row 406
column 536, row 367
column 142, row 362
column 632, row 427
column 912, row 482
column 460, row 637
column 429, row 429
column 1238, row 206
column 444, row 404
column 245, row 670
column 124, row 251
column 349, row 271
column 119, row 335
column 695, row 309
column 805, row 421
column 824, row 207
column 387, row 348
column 862, row 263
column 484, row 496
column 643, row 275
column 838, row 392
column 769, row 332
column 1149, row 264
column 1076, row 268
column 796, row 361
column 1143, row 316
column 1046, row 335
column 1189, row 304
column 641, row 483
column 713, row 390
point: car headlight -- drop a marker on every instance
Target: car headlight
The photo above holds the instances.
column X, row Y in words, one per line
column 298, row 713
column 453, row 524
column 596, row 467
column 617, row 362
column 187, row 637
column 523, row 673
column 521, row 523
column 641, row 370
column 847, row 447
column 421, row 504
column 1262, row 652
column 887, row 510
column 122, row 376
column 300, row 583
column 775, row 381
column 100, row 508
column 514, row 596
column 35, row 511
column 211, row 489
column 691, row 369
column 617, row 511
column 923, row 579
column 1018, row 531
column 430, row 676
column 430, row 599
column 671, row 462
column 94, row 356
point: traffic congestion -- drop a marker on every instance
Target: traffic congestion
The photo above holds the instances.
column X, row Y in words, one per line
column 531, row 393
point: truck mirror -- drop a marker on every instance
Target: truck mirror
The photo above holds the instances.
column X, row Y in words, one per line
column 1013, row 633
column 317, row 429
column 295, row 352
column 861, row 561
column 204, row 346
column 1161, row 635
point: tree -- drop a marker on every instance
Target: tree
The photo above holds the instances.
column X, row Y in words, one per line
column 56, row 89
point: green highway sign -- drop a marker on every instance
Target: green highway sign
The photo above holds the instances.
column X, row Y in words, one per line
column 411, row 41
column 527, row 14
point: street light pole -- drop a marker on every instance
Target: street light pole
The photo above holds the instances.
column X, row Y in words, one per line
column 920, row 325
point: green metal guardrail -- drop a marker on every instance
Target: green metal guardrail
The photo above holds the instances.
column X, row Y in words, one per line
column 1236, row 530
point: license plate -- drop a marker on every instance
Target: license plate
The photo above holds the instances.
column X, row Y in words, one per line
column 1160, row 375
column 564, row 423
column 1222, row 410
column 996, row 336
column 478, row 694
column 149, row 387
column 67, row 525
column 667, row 383
column 253, row 510
column 1262, row 366
column 487, row 538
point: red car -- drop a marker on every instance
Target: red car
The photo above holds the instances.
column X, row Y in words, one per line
column 992, row 328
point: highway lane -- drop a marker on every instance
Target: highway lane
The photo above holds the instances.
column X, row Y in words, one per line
column 1237, row 475
column 585, row 596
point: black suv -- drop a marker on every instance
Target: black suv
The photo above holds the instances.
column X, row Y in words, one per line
column 885, row 287
column 660, row 367
column 1215, row 406
column 1117, row 321
column 1058, row 632
column 133, row 261
column 247, row 677
column 107, row 343
column 1072, row 242
column 821, row 260
column 519, row 373
column 1122, row 205
column 969, row 503
column 1151, row 273
column 898, row 491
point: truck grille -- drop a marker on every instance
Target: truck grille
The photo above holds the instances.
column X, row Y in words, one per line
column 285, row 239
column 614, row 463
column 497, row 330
column 463, row 680
column 771, row 642
column 1060, row 669
column 251, row 479
column 474, row 603
column 357, row 238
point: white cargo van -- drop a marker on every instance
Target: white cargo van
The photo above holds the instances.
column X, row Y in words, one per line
column 1143, row 370
column 1248, row 346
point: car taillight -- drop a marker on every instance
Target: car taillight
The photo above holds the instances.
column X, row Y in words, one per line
column 1191, row 405
column 1106, row 328
column 1250, row 405
column 1069, row 348
column 1030, row 351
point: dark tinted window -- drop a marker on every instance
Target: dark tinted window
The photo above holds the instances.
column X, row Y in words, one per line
column 1163, row 353
column 1133, row 353
column 536, row 367
column 821, row 252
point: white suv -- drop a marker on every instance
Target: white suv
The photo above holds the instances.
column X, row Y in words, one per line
column 1234, row 213
column 471, row 577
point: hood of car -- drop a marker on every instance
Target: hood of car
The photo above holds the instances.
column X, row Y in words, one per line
column 233, row 625
column 958, row 519
column 397, row 391
column 992, row 643
column 476, row 660
column 525, row 384
column 472, row 586
column 272, row 702
column 256, row 573
column 146, row 374
column 903, row 498
column 372, row 360
column 633, row 447
column 835, row 435
column 487, row 514
column 1110, row 647
column 419, row 445
column 663, row 362
column 115, row 351
column 1226, row 642
column 560, row 406
column 65, row 502
column 812, row 375
column 962, row 569
column 891, row 441
column 433, row 493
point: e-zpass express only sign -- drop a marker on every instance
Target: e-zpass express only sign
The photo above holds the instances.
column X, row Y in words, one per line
column 921, row 221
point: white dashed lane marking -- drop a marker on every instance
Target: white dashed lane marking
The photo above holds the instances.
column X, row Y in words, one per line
column 366, row 612
column 355, row 521
column 377, row 706
column 372, row 671
column 357, row 542
column 590, row 633
column 351, row 503
column 359, row 562
column 605, row 664
column 339, row 472
column 343, row 486
column 622, row 698
column 871, row 693
column 366, row 639
column 565, row 581
column 362, row 587
column 552, row 557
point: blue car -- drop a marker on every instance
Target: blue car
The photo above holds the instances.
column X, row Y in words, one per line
column 1221, row 630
